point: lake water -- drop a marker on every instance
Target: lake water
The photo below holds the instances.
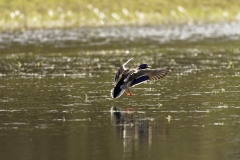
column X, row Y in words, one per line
column 55, row 98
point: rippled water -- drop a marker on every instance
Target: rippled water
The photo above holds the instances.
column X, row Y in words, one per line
column 55, row 94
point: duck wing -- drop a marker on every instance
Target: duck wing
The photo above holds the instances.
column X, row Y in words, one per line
column 117, row 91
column 149, row 75
column 120, row 71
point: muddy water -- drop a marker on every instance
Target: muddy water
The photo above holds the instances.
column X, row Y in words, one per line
column 55, row 93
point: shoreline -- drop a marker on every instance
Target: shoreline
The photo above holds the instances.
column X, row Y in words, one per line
column 21, row 15
column 127, row 37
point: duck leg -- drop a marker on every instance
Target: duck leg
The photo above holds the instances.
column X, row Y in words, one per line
column 127, row 93
column 130, row 93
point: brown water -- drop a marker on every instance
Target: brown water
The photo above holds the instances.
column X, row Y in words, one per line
column 55, row 94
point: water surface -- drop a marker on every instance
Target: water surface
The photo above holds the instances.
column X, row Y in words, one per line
column 55, row 93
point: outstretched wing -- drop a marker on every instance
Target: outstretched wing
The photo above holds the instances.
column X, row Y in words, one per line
column 149, row 74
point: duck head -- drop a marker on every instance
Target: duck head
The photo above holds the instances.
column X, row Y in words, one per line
column 143, row 66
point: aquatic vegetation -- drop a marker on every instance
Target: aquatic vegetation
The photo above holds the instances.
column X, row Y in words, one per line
column 21, row 14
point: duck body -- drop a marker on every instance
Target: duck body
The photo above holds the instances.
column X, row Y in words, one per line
column 130, row 78
column 118, row 90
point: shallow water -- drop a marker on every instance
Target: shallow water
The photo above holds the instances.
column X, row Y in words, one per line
column 55, row 94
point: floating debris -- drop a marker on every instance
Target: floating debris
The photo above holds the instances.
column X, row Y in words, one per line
column 219, row 124
column 19, row 64
column 86, row 97
column 169, row 118
column 159, row 105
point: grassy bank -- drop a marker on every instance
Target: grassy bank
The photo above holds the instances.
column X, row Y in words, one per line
column 23, row 14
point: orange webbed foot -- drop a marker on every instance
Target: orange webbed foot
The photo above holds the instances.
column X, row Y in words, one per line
column 130, row 93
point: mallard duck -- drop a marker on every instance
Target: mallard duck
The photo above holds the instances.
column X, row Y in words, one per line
column 122, row 69
column 129, row 78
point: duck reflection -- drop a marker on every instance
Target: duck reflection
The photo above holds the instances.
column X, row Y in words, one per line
column 132, row 127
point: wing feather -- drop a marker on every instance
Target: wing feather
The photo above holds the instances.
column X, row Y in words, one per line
column 149, row 75
column 153, row 74
column 157, row 74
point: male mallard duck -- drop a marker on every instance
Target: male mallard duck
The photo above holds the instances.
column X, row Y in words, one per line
column 123, row 69
column 129, row 78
